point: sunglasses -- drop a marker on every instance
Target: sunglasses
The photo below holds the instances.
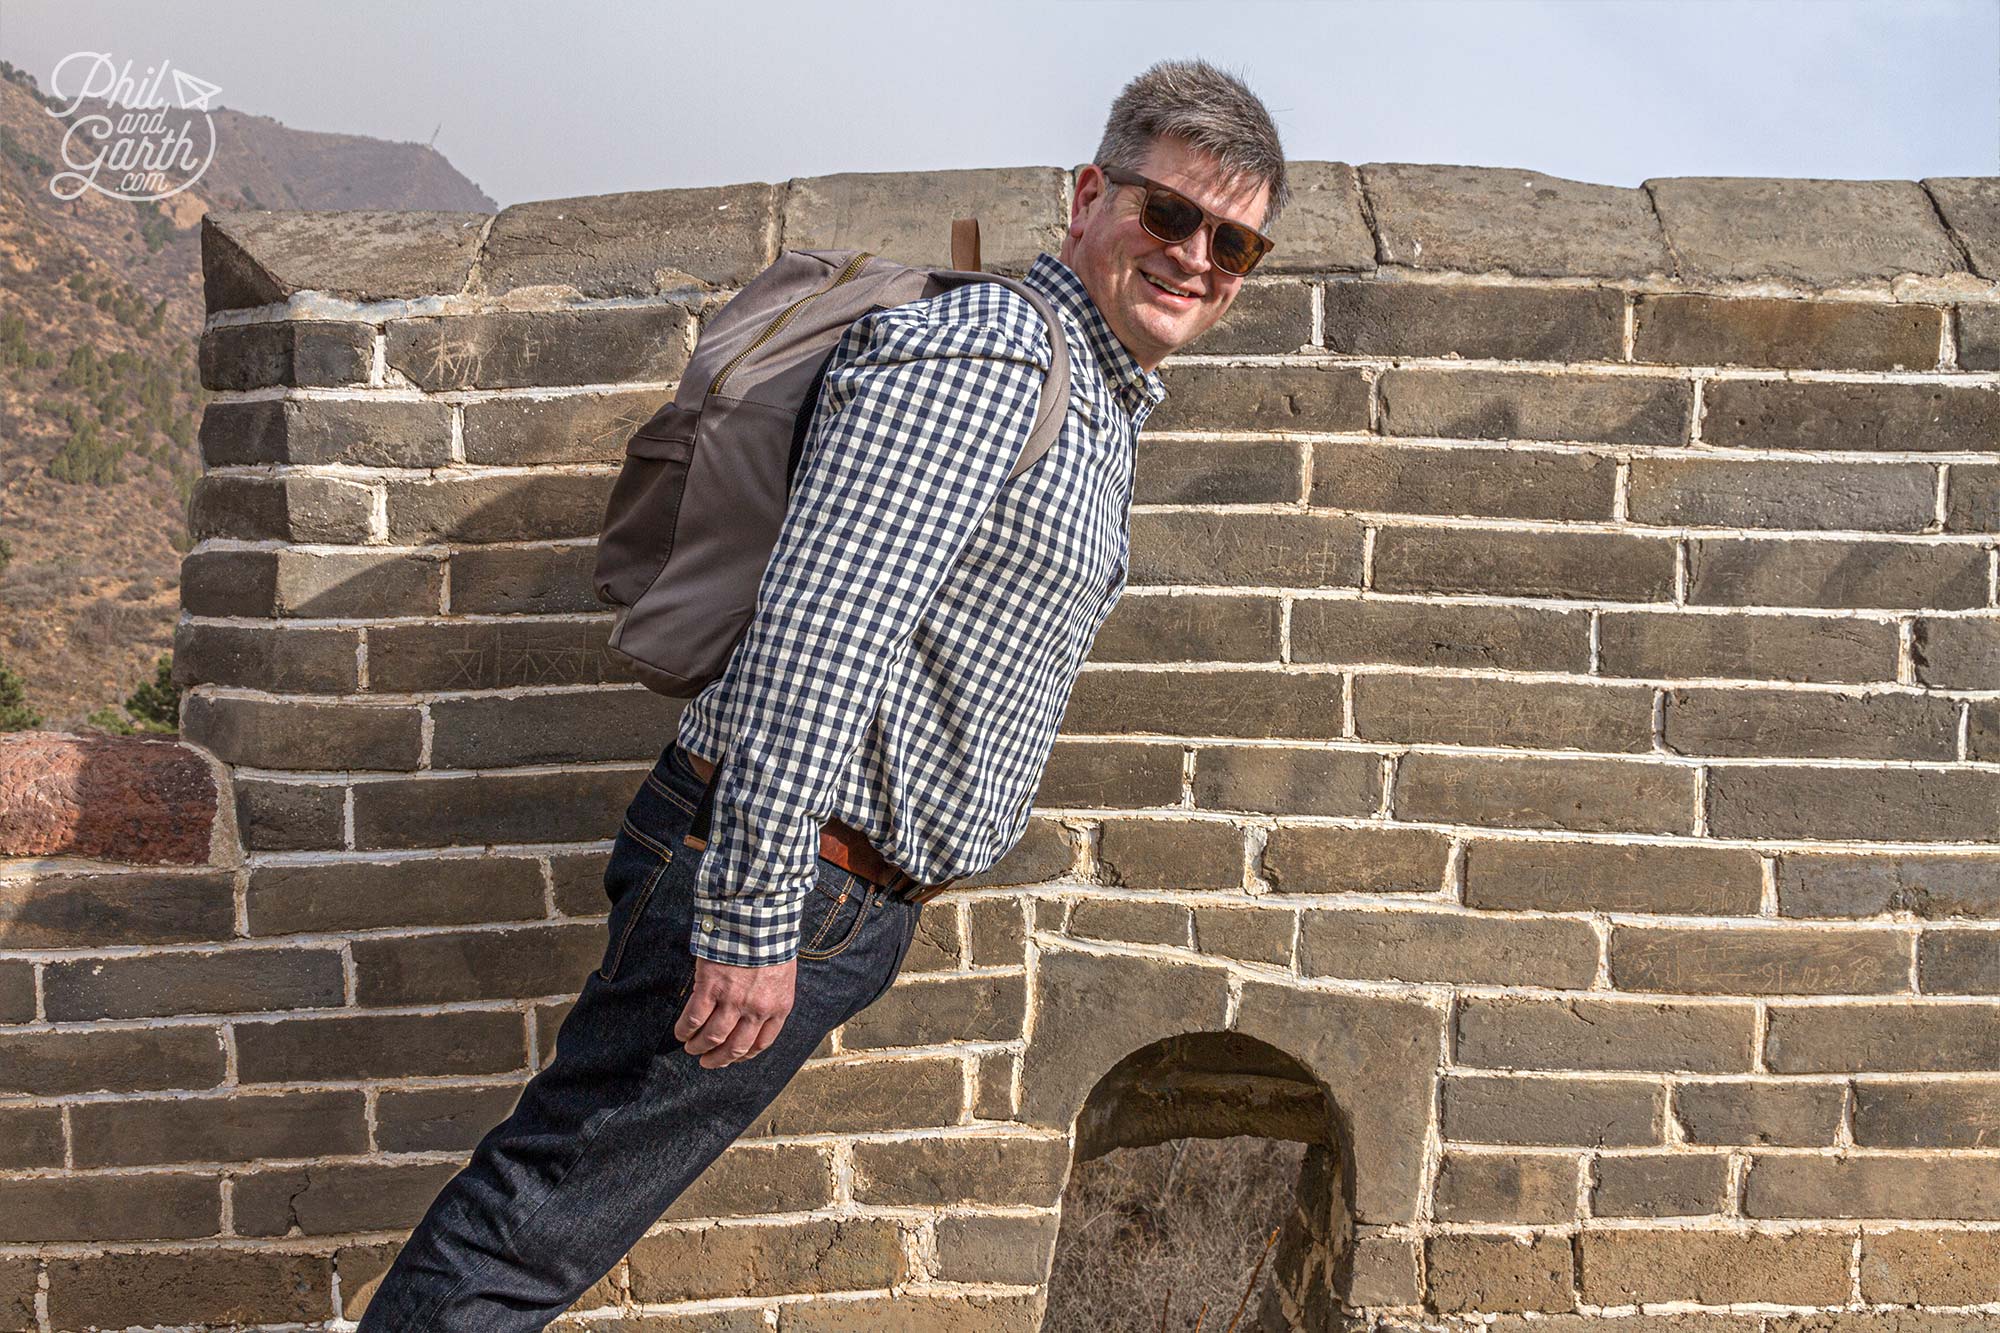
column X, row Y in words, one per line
column 1170, row 216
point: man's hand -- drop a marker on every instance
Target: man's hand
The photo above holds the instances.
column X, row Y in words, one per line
column 733, row 1013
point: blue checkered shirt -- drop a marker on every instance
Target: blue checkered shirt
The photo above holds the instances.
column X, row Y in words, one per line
column 922, row 617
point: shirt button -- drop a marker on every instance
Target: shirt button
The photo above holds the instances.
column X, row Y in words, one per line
column 708, row 923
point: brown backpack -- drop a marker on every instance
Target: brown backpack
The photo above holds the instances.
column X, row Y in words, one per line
column 697, row 507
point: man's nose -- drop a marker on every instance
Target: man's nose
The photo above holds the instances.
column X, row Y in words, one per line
column 1192, row 253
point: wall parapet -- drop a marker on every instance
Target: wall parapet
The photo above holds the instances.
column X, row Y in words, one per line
column 1551, row 734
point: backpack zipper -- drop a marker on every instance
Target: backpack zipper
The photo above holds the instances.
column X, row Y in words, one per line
column 853, row 267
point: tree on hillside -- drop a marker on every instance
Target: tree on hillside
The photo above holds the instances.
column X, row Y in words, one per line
column 15, row 715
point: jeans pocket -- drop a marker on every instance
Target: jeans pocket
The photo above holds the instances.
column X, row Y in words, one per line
column 631, row 907
column 836, row 906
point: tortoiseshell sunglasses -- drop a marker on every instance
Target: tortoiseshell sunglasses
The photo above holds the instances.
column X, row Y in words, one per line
column 1170, row 216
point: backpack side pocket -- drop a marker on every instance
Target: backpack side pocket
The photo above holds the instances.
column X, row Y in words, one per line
column 644, row 508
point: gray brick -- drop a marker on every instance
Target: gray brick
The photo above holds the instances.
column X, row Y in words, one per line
column 501, row 580
column 1370, row 318
column 1509, row 405
column 421, row 891
column 1871, row 1186
column 1972, row 498
column 282, row 660
column 1957, row 652
column 292, row 734
column 30, row 1137
column 1772, row 1112
column 440, row 1119
column 1539, row 875
column 259, row 257
column 1171, row 853
column 577, row 806
column 1216, row 472
column 1131, row 922
column 1608, row 565
column 571, row 727
column 318, row 583
column 1558, row 1112
column 489, row 655
column 1820, row 233
column 382, row 433
column 117, row 908
column 1738, row 493
column 289, row 816
column 1892, row 805
column 374, row 1046
column 515, row 507
column 1758, row 960
column 522, row 349
column 1670, row 1184
column 161, row 983
column 1822, row 649
column 1788, row 414
column 1348, row 630
column 240, row 1127
column 1693, row 330
column 1958, row 962
column 1577, row 1033
column 1818, row 724
column 634, row 243
column 1110, row 774
column 1461, row 947
column 289, row 352
column 1240, row 398
column 1517, row 1188
column 1224, row 549
column 1205, row 703
column 1483, row 482
column 1925, row 1113
column 1487, row 711
column 1190, row 628
column 329, row 1199
column 55, row 1064
column 1477, row 219
column 1265, row 317
column 452, row 966
column 293, row 508
column 1976, row 331
column 1755, row 571
column 1587, row 795
column 1946, row 884
column 1252, row 934
column 1378, row 858
column 1894, row 1035
column 1287, row 780
column 575, row 428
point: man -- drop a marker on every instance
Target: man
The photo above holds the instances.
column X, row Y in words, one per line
column 893, row 702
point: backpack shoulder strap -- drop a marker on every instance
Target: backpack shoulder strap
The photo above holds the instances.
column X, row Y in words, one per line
column 1055, row 390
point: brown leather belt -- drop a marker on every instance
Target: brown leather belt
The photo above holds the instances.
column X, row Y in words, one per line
column 849, row 848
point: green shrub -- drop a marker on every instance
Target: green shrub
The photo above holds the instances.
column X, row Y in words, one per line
column 157, row 702
column 15, row 715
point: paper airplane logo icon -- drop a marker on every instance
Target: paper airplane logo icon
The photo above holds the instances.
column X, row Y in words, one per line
column 194, row 93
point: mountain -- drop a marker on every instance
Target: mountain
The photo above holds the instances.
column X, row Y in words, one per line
column 100, row 314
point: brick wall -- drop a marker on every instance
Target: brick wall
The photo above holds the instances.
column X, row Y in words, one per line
column 1552, row 728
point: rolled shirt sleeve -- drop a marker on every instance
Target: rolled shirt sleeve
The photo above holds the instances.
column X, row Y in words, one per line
column 919, row 422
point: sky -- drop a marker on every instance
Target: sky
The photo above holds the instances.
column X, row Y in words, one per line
column 547, row 101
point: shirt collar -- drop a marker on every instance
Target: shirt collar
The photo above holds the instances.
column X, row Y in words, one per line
column 1139, row 390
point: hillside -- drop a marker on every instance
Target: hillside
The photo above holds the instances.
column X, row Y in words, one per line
column 100, row 311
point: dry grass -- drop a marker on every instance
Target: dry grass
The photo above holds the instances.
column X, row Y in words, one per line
column 1170, row 1228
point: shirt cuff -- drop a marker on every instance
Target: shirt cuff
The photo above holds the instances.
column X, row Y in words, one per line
column 745, row 932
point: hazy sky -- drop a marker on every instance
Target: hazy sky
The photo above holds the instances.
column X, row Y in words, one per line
column 540, row 101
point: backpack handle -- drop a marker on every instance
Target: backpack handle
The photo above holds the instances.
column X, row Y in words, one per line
column 965, row 244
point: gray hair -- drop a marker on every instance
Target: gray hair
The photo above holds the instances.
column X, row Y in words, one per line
column 1209, row 109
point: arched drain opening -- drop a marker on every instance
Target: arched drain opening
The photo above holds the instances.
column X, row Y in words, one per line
column 1189, row 1153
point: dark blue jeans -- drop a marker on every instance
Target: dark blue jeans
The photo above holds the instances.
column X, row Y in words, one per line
column 623, row 1119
